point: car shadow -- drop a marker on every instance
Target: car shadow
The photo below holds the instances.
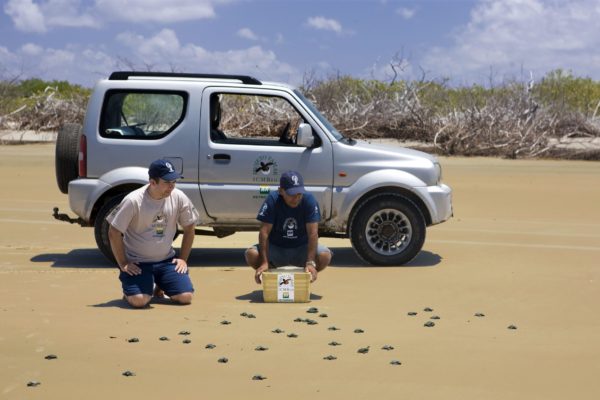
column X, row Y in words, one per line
column 343, row 257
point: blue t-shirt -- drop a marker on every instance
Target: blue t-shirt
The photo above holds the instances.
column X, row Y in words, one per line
column 289, row 224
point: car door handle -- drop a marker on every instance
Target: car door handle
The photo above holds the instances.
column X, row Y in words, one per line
column 222, row 157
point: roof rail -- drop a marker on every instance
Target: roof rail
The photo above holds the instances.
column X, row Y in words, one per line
column 124, row 75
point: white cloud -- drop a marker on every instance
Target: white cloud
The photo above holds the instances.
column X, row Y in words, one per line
column 406, row 13
column 247, row 33
column 509, row 35
column 26, row 15
column 157, row 10
column 326, row 24
column 31, row 49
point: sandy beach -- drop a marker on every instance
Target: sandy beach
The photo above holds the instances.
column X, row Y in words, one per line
column 522, row 250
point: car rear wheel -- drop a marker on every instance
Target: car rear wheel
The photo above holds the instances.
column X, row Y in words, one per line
column 101, row 226
column 67, row 155
column 387, row 229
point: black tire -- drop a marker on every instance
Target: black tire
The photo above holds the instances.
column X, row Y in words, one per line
column 101, row 226
column 67, row 155
column 387, row 229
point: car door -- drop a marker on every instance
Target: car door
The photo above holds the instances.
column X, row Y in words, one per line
column 251, row 143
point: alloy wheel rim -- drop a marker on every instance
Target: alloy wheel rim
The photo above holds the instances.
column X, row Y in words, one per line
column 388, row 232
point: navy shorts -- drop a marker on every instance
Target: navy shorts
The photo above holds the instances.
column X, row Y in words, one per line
column 284, row 256
column 162, row 273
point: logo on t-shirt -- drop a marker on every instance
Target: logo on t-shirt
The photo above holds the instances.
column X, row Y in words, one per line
column 290, row 228
column 159, row 224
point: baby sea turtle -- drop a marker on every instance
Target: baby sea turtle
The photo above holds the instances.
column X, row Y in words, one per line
column 512, row 327
column 479, row 314
column 330, row 358
column 429, row 324
column 261, row 348
column 427, row 309
column 299, row 319
column 333, row 328
column 387, row 347
column 210, row 346
column 259, row 378
column 184, row 333
column 412, row 313
column 312, row 310
column 33, row 383
column 133, row 340
column 223, row 360
column 435, row 317
column 334, row 343
column 292, row 335
column 395, row 362
column 51, row 357
column 251, row 316
column 128, row 373
column 163, row 338
column 244, row 314
column 311, row 322
column 323, row 315
column 225, row 322
column 186, row 341
column 363, row 350
column 277, row 330
column 358, row 330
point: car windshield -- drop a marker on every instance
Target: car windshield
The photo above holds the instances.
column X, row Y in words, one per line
column 320, row 116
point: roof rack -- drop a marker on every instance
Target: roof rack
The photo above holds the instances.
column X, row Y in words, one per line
column 124, row 75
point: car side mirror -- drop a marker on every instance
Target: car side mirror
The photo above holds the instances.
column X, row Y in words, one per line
column 305, row 137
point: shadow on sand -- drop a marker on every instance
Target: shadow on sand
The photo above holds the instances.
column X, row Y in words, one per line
column 256, row 296
column 343, row 257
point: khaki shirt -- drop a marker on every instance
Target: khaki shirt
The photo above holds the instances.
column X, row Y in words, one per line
column 149, row 226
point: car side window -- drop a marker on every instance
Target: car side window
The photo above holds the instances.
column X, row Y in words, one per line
column 141, row 114
column 253, row 119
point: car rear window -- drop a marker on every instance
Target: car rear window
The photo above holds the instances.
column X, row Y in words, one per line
column 141, row 115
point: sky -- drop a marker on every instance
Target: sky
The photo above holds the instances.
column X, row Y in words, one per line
column 460, row 41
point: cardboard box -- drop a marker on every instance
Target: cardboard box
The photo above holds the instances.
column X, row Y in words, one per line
column 286, row 285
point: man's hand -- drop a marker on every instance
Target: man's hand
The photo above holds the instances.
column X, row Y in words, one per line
column 259, row 271
column 312, row 270
column 181, row 266
column 131, row 269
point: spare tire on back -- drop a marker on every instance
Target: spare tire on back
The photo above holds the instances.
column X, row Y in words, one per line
column 67, row 155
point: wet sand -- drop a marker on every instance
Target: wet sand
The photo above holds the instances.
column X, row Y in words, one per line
column 522, row 249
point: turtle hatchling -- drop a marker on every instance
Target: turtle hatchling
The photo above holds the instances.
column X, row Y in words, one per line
column 427, row 309
column 210, row 346
column 330, row 358
column 223, row 360
column 259, row 378
column 187, row 341
column 387, row 347
column 512, row 327
column 429, row 324
column 128, row 373
column 184, row 333
column 359, row 331
column 312, row 310
column 225, row 322
column 435, row 317
column 363, row 350
column 479, row 314
column 163, row 338
column 395, row 362
column 51, row 357
column 277, row 330
column 33, row 383
column 311, row 322
column 323, row 315
column 299, row 319
column 261, row 348
column 412, row 313
column 251, row 316
column 333, row 328
column 292, row 335
column 244, row 314
column 133, row 340
column 334, row 343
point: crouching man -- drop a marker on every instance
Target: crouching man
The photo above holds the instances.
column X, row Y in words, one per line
column 141, row 233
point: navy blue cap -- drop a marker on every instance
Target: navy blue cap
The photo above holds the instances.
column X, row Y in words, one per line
column 163, row 169
column 292, row 183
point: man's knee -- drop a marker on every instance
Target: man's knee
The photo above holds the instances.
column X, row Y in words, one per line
column 252, row 256
column 138, row 300
column 323, row 259
column 183, row 298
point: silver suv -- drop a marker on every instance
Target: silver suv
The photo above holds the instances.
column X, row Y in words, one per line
column 231, row 137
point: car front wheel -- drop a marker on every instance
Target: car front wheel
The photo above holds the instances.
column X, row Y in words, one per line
column 387, row 229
